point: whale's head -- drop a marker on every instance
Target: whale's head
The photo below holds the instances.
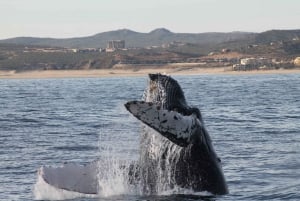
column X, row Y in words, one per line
column 165, row 109
column 165, row 91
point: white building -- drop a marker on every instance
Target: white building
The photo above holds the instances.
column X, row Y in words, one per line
column 115, row 44
column 255, row 61
column 297, row 61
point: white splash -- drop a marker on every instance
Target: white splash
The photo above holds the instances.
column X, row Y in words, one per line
column 113, row 173
column 113, row 178
column 161, row 155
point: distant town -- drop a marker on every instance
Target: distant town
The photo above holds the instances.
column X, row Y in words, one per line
column 244, row 53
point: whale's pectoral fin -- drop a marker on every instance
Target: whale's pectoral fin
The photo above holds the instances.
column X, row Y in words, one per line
column 83, row 179
column 72, row 177
column 173, row 125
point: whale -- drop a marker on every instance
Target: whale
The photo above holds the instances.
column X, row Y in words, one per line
column 176, row 151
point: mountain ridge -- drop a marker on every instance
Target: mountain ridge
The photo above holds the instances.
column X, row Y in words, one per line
column 157, row 37
column 132, row 38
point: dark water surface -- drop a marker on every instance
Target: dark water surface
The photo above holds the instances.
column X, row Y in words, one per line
column 253, row 120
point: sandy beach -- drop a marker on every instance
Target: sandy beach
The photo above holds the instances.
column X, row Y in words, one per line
column 131, row 72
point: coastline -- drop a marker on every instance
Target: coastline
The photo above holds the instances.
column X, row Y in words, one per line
column 43, row 74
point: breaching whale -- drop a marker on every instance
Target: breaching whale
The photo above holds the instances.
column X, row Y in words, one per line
column 175, row 149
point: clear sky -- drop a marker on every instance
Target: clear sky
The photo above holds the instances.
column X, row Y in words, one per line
column 76, row 18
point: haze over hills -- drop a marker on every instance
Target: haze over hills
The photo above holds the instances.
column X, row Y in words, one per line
column 132, row 39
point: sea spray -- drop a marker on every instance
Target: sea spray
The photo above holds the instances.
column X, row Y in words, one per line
column 112, row 178
column 113, row 170
column 158, row 156
column 151, row 174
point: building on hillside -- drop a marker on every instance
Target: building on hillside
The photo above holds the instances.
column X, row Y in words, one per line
column 115, row 45
column 297, row 61
column 254, row 64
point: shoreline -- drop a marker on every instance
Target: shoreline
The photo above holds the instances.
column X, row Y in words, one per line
column 43, row 74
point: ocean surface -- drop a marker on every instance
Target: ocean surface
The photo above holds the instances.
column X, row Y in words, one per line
column 253, row 120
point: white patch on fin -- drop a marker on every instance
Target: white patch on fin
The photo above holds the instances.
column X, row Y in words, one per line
column 171, row 124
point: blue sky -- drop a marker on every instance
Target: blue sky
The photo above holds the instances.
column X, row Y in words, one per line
column 76, row 18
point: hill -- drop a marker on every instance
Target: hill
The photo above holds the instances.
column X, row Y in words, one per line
column 156, row 37
column 206, row 49
column 277, row 35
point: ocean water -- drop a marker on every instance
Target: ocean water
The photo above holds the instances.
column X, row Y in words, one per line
column 253, row 120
